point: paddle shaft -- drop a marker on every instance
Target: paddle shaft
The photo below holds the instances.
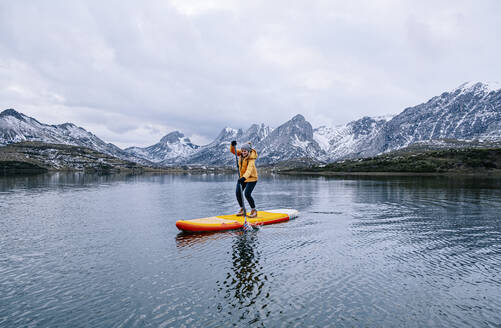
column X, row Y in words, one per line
column 240, row 186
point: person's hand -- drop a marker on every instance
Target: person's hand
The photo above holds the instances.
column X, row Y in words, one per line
column 233, row 143
column 241, row 180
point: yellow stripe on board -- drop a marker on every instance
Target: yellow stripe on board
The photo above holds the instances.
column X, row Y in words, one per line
column 261, row 217
column 211, row 220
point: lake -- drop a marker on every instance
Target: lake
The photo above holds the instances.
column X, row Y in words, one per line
column 80, row 250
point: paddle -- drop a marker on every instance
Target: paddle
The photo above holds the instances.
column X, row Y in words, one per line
column 246, row 226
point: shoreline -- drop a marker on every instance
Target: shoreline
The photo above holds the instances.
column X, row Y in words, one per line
column 176, row 171
column 429, row 174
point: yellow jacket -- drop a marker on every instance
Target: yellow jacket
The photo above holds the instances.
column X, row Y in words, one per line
column 247, row 165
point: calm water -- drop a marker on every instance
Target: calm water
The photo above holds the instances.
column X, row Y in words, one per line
column 103, row 251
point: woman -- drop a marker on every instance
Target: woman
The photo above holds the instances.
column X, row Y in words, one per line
column 248, row 176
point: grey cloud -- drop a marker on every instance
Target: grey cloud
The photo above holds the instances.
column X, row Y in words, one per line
column 124, row 66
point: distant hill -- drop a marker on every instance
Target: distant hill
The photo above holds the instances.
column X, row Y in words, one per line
column 420, row 159
column 37, row 157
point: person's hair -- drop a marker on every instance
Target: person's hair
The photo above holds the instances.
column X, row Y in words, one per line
column 246, row 147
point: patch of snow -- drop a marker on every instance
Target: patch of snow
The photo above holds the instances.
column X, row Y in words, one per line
column 386, row 118
column 492, row 86
column 300, row 144
column 230, row 130
column 480, row 86
column 321, row 136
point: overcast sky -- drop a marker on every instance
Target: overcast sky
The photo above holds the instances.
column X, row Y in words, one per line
column 132, row 71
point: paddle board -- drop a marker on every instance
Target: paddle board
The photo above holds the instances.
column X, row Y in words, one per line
column 232, row 221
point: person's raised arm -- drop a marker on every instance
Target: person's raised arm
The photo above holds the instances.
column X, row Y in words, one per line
column 232, row 148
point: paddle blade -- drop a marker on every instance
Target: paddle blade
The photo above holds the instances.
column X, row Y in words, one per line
column 247, row 227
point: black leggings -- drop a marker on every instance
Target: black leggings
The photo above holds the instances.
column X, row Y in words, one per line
column 247, row 188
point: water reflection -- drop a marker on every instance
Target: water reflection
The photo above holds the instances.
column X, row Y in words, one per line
column 60, row 180
column 187, row 240
column 433, row 228
column 386, row 252
column 246, row 288
column 80, row 179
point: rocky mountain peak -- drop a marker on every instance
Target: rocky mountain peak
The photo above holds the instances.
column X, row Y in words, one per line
column 12, row 112
column 253, row 128
column 9, row 111
column 291, row 140
column 172, row 137
column 228, row 133
column 67, row 125
column 255, row 133
column 298, row 118
column 172, row 148
column 479, row 86
column 365, row 126
column 296, row 126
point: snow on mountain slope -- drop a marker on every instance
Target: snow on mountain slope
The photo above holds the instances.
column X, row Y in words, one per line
column 255, row 133
column 218, row 151
column 470, row 112
column 172, row 148
column 345, row 141
column 290, row 141
column 17, row 127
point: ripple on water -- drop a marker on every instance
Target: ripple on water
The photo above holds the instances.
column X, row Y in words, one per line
column 104, row 252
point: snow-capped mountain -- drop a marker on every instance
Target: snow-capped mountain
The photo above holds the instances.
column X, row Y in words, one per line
column 217, row 152
column 172, row 148
column 350, row 139
column 290, row 141
column 17, row 127
column 470, row 112
column 256, row 133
